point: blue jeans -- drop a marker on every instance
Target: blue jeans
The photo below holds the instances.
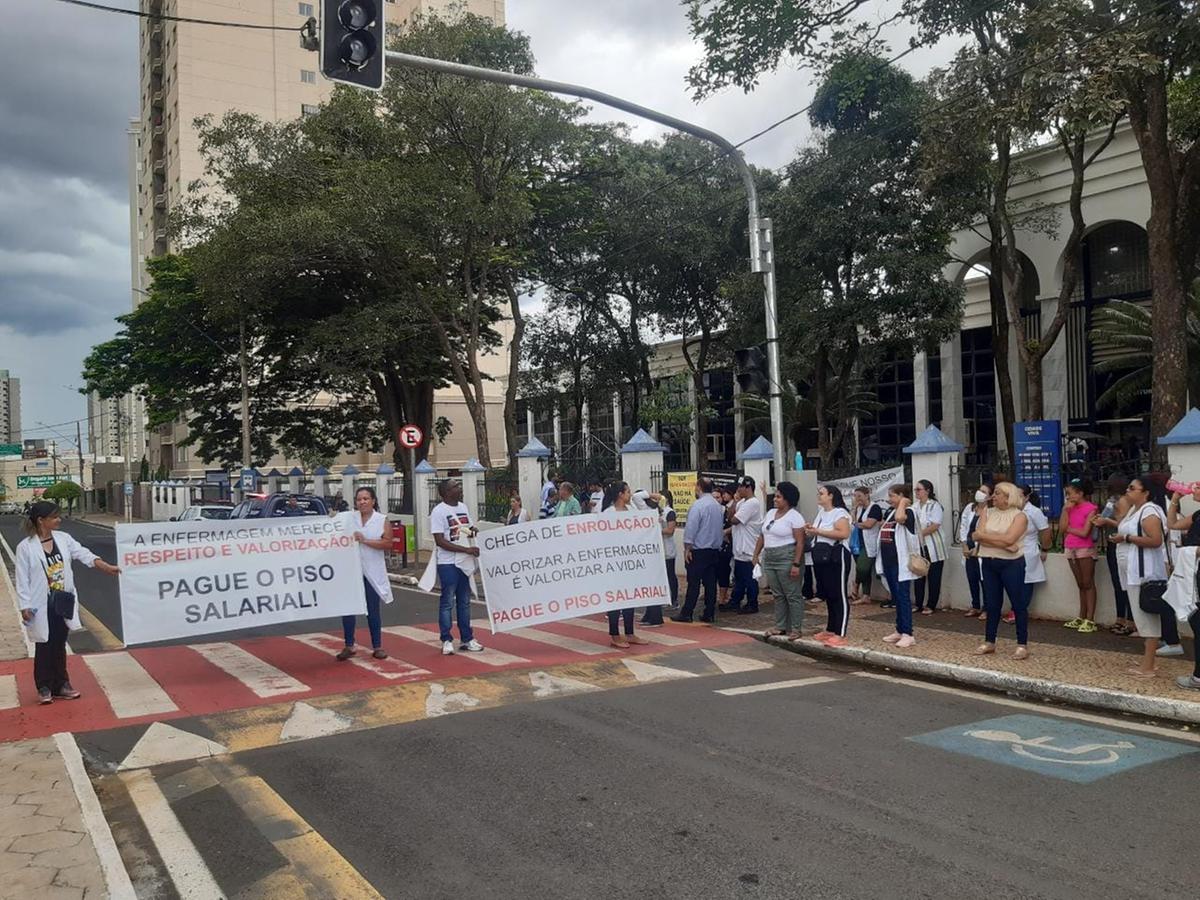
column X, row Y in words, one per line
column 374, row 625
column 456, row 585
column 974, row 580
column 744, row 584
column 899, row 591
column 1002, row 576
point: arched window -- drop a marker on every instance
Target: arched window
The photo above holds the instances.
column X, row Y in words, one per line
column 1116, row 261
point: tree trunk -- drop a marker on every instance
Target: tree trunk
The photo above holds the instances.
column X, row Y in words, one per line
column 514, row 372
column 1000, row 354
column 1169, row 270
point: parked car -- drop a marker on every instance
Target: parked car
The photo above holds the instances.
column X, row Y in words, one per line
column 277, row 506
column 9, row 507
column 204, row 511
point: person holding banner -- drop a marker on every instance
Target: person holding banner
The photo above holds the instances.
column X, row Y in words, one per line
column 618, row 499
column 46, row 596
column 373, row 532
column 450, row 525
column 780, row 552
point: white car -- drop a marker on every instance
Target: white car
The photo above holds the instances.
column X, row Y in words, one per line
column 207, row 511
column 9, row 508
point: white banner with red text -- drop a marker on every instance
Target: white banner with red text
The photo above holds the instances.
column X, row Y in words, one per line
column 557, row 569
column 187, row 579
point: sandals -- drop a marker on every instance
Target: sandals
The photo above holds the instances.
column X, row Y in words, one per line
column 972, row 614
column 774, row 632
column 619, row 644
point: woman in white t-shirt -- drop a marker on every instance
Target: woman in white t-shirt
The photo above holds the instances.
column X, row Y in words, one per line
column 830, row 532
column 1142, row 559
column 1038, row 538
column 780, row 552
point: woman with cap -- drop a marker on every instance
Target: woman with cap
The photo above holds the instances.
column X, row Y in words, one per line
column 45, row 587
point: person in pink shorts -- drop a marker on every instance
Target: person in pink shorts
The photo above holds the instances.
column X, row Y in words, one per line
column 1078, row 523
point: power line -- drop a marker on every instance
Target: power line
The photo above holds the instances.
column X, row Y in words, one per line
column 160, row 17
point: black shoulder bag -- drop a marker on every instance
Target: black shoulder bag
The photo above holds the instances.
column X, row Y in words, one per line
column 60, row 602
column 1150, row 597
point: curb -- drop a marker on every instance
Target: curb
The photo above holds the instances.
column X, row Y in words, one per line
column 1002, row 682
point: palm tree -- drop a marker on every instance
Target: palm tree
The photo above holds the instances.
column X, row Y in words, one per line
column 1121, row 330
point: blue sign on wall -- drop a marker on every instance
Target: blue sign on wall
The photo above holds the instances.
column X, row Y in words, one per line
column 1039, row 462
column 1056, row 747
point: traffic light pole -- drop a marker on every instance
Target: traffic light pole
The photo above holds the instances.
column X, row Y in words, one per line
column 762, row 255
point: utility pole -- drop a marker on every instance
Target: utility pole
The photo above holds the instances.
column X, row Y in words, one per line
column 245, row 393
column 762, row 254
column 126, row 419
column 54, row 457
column 79, row 447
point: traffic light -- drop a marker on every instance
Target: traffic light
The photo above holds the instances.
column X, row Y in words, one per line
column 352, row 42
column 750, row 365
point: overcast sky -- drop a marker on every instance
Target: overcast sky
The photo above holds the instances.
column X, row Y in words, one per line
column 70, row 86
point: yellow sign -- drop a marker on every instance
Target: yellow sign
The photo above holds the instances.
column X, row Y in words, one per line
column 682, row 486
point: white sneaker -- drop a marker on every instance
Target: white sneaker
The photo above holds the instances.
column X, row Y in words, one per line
column 906, row 640
column 472, row 645
column 1169, row 650
column 447, row 648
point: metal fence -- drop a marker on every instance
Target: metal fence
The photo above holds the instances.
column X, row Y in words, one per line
column 498, row 488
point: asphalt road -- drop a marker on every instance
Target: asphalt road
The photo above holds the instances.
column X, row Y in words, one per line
column 98, row 593
column 670, row 790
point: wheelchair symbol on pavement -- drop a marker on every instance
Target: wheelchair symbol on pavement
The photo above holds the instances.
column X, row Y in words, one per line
column 1043, row 749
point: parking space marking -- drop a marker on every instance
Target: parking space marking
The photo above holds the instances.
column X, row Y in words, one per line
column 774, row 686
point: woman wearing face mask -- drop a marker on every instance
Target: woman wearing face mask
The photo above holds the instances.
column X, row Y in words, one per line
column 1115, row 509
column 830, row 531
column 971, row 561
column 1141, row 540
column 930, row 515
column 898, row 541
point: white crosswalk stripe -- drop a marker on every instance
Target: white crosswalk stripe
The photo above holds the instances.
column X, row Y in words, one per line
column 130, row 689
column 549, row 637
column 390, row 668
column 489, row 656
column 651, row 637
column 258, row 675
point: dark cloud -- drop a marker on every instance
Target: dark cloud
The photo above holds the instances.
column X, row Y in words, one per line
column 69, row 88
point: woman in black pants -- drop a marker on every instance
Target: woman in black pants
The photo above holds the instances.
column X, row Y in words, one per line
column 617, row 499
column 971, row 516
column 1110, row 517
column 830, row 531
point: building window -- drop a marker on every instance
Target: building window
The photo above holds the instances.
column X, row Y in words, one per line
column 308, row 76
column 306, row 9
column 933, row 371
column 309, row 109
column 883, row 435
column 979, row 392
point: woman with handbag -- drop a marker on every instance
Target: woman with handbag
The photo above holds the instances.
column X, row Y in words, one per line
column 971, row 561
column 897, row 545
column 1190, row 526
column 930, row 515
column 830, row 532
column 1001, row 540
column 46, row 596
column 1142, row 555
column 1114, row 511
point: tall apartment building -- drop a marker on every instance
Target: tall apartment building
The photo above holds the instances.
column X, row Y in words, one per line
column 10, row 408
column 105, row 421
column 190, row 70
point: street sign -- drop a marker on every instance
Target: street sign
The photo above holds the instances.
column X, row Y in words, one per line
column 10, row 451
column 39, row 481
column 248, row 479
column 1039, row 461
column 129, row 489
column 411, row 437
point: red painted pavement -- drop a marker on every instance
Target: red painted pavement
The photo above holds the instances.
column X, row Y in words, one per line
column 197, row 687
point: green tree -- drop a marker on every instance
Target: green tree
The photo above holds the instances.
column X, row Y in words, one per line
column 64, row 492
column 860, row 246
column 1124, row 333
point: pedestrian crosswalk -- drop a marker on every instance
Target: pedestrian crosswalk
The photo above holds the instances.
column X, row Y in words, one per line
column 143, row 684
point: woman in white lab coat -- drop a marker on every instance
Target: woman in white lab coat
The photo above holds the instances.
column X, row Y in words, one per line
column 1038, row 538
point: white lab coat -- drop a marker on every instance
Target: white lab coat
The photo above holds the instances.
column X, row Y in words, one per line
column 374, row 562
column 33, row 591
column 906, row 545
column 1181, row 586
column 1035, row 523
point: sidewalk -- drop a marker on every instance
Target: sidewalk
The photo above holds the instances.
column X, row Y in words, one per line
column 52, row 833
column 1063, row 665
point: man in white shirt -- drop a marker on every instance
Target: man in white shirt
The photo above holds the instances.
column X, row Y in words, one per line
column 549, row 496
column 745, row 519
column 452, row 531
